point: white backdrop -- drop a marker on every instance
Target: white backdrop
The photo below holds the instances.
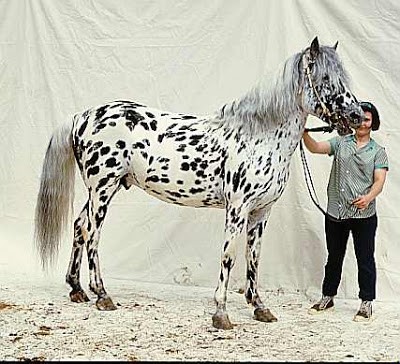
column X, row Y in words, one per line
column 58, row 57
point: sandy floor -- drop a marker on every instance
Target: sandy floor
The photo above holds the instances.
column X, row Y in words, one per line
column 165, row 322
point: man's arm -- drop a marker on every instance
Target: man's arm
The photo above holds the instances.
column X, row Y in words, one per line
column 313, row 146
column 379, row 179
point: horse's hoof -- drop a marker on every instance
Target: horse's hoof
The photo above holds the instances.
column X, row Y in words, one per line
column 221, row 321
column 105, row 304
column 264, row 315
column 78, row 296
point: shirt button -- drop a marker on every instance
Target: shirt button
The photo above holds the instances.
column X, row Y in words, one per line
column 342, row 190
column 347, row 171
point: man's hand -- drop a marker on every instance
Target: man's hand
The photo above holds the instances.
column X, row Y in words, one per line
column 361, row 202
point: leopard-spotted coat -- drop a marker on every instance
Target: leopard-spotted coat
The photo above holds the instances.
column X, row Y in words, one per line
column 237, row 160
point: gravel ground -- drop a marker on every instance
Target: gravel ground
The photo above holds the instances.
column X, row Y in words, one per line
column 172, row 322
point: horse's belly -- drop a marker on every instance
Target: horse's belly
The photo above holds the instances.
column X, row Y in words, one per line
column 169, row 177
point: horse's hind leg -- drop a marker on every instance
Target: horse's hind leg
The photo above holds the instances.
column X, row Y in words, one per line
column 73, row 274
column 234, row 226
column 99, row 200
column 255, row 227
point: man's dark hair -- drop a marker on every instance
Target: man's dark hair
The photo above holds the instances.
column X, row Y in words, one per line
column 368, row 106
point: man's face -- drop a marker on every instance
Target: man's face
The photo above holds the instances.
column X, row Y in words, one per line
column 365, row 127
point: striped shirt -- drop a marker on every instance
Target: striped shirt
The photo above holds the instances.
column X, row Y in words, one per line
column 352, row 175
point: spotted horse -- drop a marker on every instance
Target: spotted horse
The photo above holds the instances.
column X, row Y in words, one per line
column 237, row 159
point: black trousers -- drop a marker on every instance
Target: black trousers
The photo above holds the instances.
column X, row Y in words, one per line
column 337, row 233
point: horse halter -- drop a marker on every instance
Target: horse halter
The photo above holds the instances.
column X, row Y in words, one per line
column 307, row 72
column 325, row 111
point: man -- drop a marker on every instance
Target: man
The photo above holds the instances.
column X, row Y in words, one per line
column 357, row 177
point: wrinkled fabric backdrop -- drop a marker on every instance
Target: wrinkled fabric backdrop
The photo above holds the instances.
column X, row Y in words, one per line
column 61, row 57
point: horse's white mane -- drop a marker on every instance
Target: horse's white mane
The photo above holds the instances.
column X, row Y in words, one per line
column 274, row 98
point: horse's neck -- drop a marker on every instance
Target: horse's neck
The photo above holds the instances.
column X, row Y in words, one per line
column 294, row 127
column 286, row 134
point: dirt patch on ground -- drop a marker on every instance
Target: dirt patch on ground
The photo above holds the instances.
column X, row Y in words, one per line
column 5, row 306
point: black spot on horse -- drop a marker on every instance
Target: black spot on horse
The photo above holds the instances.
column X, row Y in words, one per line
column 99, row 217
column 149, row 114
column 111, row 162
column 152, row 179
column 102, row 182
column 196, row 190
column 144, row 125
column 227, row 263
column 101, row 111
column 104, row 150
column 194, row 142
column 242, row 146
column 153, row 125
column 132, row 117
column 247, row 188
column 173, row 193
column 83, row 127
column 235, row 181
column 201, row 147
column 185, row 166
column 172, row 126
column 99, row 127
column 242, row 182
column 138, row 145
column 92, row 160
column 92, row 171
column 114, row 116
column 120, row 144
column 203, row 164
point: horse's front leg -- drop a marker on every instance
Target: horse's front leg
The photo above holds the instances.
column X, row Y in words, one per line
column 257, row 222
column 235, row 223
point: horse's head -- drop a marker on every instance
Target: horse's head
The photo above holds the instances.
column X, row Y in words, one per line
column 325, row 89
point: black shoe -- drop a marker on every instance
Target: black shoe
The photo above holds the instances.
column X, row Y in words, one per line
column 323, row 305
column 364, row 313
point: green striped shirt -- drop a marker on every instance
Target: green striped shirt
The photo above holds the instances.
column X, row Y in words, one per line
column 352, row 175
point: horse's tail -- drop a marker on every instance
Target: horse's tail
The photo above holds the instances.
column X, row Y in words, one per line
column 56, row 194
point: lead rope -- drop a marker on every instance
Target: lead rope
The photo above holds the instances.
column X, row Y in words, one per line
column 309, row 181
column 325, row 110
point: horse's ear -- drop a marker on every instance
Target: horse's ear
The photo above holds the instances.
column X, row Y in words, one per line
column 314, row 48
column 335, row 45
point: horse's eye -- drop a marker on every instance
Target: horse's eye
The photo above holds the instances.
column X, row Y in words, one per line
column 325, row 78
